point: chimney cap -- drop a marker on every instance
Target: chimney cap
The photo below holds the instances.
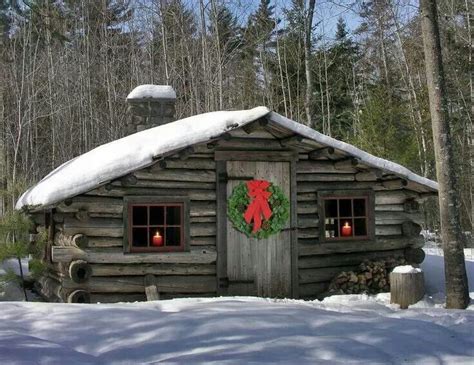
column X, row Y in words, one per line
column 149, row 91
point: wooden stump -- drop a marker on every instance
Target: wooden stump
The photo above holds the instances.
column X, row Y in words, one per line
column 406, row 288
column 151, row 291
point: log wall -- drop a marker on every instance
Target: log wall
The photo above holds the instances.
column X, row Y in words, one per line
column 89, row 228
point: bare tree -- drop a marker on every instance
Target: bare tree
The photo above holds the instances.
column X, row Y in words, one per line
column 457, row 295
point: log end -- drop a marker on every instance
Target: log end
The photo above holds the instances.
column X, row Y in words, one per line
column 80, row 271
column 79, row 296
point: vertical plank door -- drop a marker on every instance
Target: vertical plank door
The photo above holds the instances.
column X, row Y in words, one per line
column 259, row 267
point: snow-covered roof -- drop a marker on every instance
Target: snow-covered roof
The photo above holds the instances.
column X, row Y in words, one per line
column 139, row 150
column 149, row 91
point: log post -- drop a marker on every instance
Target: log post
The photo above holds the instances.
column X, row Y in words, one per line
column 406, row 286
column 151, row 290
column 80, row 271
column 79, row 296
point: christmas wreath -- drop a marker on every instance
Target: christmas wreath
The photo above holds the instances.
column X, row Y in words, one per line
column 258, row 208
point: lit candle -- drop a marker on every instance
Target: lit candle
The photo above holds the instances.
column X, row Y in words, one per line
column 346, row 230
column 157, row 239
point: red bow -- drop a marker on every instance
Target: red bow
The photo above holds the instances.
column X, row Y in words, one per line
column 258, row 206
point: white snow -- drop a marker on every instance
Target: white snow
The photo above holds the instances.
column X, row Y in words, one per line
column 406, row 269
column 345, row 329
column 131, row 153
column 149, row 91
column 365, row 157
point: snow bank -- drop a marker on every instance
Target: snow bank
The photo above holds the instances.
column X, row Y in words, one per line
column 125, row 155
column 365, row 157
column 406, row 269
column 149, row 91
column 342, row 330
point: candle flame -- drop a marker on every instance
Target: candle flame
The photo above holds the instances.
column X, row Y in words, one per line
column 157, row 234
column 346, row 224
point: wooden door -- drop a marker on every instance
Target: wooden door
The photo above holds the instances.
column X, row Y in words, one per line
column 259, row 267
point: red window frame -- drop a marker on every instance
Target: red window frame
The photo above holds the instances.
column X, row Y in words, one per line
column 150, row 227
column 341, row 219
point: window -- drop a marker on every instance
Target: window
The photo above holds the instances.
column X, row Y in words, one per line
column 346, row 217
column 157, row 226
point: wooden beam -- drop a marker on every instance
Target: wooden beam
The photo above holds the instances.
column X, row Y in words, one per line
column 325, row 152
column 184, row 154
column 394, row 183
column 290, row 140
column 151, row 291
column 345, row 163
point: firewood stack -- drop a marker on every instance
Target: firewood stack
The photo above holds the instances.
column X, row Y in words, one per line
column 371, row 277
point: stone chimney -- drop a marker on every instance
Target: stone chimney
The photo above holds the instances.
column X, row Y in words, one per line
column 150, row 106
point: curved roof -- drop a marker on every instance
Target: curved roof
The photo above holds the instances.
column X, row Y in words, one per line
column 123, row 156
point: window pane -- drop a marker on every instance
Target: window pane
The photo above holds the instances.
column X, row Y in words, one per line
column 345, row 208
column 173, row 215
column 139, row 237
column 360, row 227
column 173, row 236
column 330, row 208
column 359, row 207
column 140, row 216
column 156, row 237
column 157, row 216
column 331, row 228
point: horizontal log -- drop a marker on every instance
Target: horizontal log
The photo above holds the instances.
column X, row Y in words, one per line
column 345, row 163
column 117, row 297
column 308, row 221
column 135, row 284
column 203, row 241
column 170, row 184
column 308, row 262
column 179, row 175
column 319, row 167
column 307, row 276
column 370, row 175
column 306, row 197
column 250, row 144
column 394, row 196
column 191, row 164
column 380, row 244
column 388, row 230
column 202, row 209
column 307, row 208
column 255, row 155
column 394, row 183
column 78, row 240
column 203, row 220
column 397, row 217
column 314, row 186
column 116, row 256
column 389, row 208
column 324, row 152
column 118, row 191
column 411, row 229
column 312, row 290
column 92, row 205
column 308, row 233
column 93, row 227
column 105, row 242
column 153, row 269
column 202, row 229
column 324, row 177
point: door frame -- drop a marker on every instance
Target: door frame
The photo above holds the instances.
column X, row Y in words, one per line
column 221, row 158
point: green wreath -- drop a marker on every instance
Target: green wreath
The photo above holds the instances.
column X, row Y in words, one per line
column 240, row 200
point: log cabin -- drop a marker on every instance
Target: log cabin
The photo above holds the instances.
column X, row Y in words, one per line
column 147, row 216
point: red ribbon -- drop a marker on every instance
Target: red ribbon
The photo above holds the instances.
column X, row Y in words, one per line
column 258, row 207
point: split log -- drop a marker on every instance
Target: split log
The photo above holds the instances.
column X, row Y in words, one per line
column 255, row 126
column 165, row 184
column 394, row 197
column 203, row 241
column 308, row 233
column 406, row 288
column 92, row 205
column 80, row 271
column 79, row 296
column 116, row 256
column 191, row 164
column 388, row 230
column 380, row 244
column 250, row 144
column 82, row 215
column 291, row 140
column 411, row 206
column 324, row 177
column 202, row 209
column 151, row 291
column 308, row 221
column 153, row 269
column 117, row 191
column 314, row 186
column 202, row 229
column 307, row 208
column 395, row 183
column 389, row 208
column 105, row 242
column 93, row 227
column 371, row 175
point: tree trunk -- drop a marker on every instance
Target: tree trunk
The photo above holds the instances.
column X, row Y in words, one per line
column 307, row 56
column 457, row 295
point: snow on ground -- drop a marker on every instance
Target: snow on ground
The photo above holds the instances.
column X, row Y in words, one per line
column 346, row 329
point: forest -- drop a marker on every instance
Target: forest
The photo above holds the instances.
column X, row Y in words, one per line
column 357, row 74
